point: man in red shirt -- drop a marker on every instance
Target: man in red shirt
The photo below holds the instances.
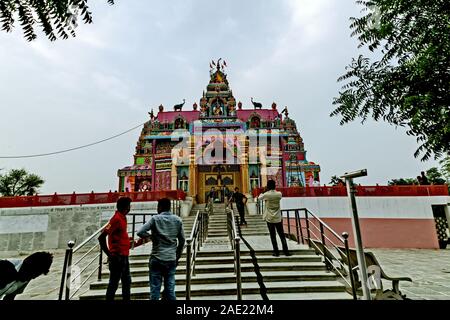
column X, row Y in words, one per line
column 118, row 250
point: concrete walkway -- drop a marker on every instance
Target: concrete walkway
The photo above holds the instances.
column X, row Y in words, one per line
column 429, row 270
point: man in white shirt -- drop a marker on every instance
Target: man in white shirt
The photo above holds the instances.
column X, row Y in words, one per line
column 272, row 215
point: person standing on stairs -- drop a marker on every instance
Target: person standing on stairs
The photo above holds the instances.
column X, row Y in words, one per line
column 241, row 201
column 167, row 234
column 211, row 196
column 272, row 215
column 118, row 249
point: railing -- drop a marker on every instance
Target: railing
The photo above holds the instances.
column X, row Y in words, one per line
column 235, row 245
column 362, row 191
column 319, row 236
column 67, row 278
column 176, row 207
column 193, row 245
column 90, row 252
column 87, row 198
column 260, row 206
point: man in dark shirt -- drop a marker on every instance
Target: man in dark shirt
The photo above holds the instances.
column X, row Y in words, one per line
column 211, row 195
column 424, row 180
column 240, row 200
column 118, row 250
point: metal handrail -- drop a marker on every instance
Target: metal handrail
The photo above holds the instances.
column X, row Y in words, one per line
column 260, row 206
column 309, row 219
column 193, row 245
column 67, row 278
column 316, row 217
column 235, row 245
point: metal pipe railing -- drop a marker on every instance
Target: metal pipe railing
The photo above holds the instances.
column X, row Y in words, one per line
column 320, row 239
column 193, row 245
column 235, row 245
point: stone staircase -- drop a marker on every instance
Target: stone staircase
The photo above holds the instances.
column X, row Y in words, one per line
column 300, row 276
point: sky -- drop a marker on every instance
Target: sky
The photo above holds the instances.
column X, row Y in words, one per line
column 138, row 55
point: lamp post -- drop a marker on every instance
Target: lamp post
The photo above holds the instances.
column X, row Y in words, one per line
column 349, row 176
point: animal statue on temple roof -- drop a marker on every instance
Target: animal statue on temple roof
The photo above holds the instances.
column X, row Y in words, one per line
column 257, row 105
column 285, row 112
column 179, row 107
column 152, row 115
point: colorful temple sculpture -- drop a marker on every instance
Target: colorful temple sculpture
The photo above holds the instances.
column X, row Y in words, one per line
column 220, row 144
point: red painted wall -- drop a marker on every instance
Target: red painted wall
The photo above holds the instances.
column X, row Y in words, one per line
column 384, row 233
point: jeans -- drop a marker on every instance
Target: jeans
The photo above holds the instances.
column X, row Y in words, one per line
column 159, row 270
column 241, row 210
column 119, row 269
column 278, row 227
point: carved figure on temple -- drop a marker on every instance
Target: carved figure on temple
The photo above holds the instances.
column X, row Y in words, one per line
column 195, row 106
column 179, row 107
column 151, row 114
column 179, row 123
column 161, row 108
column 255, row 122
column 204, row 111
column 257, row 105
column 218, row 110
column 240, row 105
column 231, row 109
column 274, row 106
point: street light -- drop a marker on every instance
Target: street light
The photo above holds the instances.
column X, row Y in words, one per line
column 349, row 176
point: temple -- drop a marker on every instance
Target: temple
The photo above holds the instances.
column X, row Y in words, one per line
column 218, row 143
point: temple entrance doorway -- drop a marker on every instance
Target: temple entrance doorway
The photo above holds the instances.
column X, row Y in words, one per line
column 224, row 178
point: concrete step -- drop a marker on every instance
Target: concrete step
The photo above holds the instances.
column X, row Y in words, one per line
column 231, row 278
column 229, row 289
column 224, row 253
column 213, row 225
column 138, row 263
column 285, row 296
column 245, row 267
column 218, row 235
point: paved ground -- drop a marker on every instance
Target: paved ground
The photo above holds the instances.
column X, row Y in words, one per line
column 429, row 269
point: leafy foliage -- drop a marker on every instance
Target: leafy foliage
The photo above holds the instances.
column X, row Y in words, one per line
column 435, row 176
column 402, row 182
column 18, row 182
column 56, row 18
column 409, row 85
column 445, row 168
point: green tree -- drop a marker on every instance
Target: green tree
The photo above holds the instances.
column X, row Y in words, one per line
column 435, row 176
column 408, row 84
column 402, row 182
column 18, row 182
column 56, row 18
column 445, row 168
